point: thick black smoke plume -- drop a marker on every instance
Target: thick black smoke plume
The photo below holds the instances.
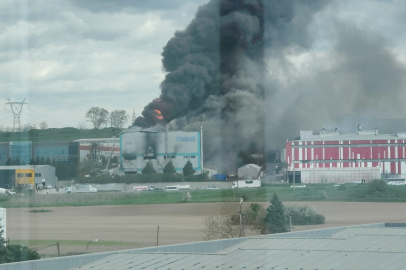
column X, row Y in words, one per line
column 253, row 73
column 217, row 77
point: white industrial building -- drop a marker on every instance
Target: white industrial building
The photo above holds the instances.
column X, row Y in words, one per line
column 137, row 148
column 249, row 171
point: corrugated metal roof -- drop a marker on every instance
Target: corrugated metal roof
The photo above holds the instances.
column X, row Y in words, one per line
column 349, row 248
column 352, row 137
column 22, row 167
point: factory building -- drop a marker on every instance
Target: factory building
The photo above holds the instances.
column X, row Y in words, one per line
column 335, row 157
column 137, row 148
column 99, row 147
column 24, row 151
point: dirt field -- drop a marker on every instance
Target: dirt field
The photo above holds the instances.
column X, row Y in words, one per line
column 134, row 226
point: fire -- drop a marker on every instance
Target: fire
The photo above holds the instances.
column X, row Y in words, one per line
column 159, row 115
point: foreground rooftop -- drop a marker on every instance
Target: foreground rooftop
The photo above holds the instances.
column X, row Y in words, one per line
column 372, row 246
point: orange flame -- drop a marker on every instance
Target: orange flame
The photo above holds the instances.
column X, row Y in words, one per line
column 159, row 115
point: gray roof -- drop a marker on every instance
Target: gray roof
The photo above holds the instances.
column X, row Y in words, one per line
column 373, row 246
column 350, row 248
column 361, row 135
column 22, row 167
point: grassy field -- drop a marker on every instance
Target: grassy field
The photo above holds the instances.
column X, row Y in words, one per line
column 351, row 193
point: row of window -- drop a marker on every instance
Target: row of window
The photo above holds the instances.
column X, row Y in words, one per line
column 189, row 156
column 24, row 174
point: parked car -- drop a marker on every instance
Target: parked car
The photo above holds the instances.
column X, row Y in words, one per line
column 50, row 187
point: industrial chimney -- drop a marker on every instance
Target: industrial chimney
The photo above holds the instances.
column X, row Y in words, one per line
column 359, row 127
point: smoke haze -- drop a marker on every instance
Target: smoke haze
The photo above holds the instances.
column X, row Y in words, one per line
column 253, row 73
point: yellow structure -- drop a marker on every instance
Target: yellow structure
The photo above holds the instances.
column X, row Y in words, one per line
column 24, row 177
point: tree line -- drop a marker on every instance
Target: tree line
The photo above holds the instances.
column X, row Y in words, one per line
column 100, row 117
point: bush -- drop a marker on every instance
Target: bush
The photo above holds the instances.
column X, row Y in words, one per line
column 376, row 186
column 342, row 187
column 303, row 215
column 20, row 253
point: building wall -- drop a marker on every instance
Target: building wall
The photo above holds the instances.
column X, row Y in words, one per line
column 388, row 155
column 4, row 153
column 137, row 148
column 64, row 151
column 22, row 151
column 338, row 175
column 47, row 173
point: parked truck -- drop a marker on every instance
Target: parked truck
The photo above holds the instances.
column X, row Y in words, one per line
column 143, row 188
column 81, row 189
column 246, row 184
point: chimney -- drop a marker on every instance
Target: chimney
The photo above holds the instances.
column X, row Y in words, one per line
column 359, row 127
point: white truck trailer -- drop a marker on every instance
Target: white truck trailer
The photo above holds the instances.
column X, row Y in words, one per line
column 82, row 189
column 143, row 188
column 246, row 184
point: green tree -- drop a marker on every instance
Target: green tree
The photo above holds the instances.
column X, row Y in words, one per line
column 169, row 168
column 97, row 116
column 188, row 169
column 275, row 217
column 48, row 161
column 17, row 162
column 148, row 169
column 38, row 161
column 32, row 162
column 42, row 161
column 8, row 162
column 15, row 253
column 118, row 118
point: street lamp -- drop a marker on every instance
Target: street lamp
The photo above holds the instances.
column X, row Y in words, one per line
column 95, row 240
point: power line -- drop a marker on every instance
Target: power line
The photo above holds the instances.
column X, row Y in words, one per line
column 37, row 119
column 48, row 118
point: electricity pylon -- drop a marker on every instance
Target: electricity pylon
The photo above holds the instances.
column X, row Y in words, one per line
column 16, row 108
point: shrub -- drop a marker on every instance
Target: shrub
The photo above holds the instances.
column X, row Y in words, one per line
column 275, row 217
column 188, row 169
column 342, row 187
column 376, row 186
column 303, row 215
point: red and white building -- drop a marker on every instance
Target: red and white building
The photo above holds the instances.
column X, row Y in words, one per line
column 99, row 147
column 352, row 157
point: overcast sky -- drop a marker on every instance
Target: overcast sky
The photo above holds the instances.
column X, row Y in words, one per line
column 67, row 56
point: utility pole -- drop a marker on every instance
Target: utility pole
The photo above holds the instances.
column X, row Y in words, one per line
column 16, row 108
column 157, row 236
column 293, row 162
column 57, row 245
column 241, row 227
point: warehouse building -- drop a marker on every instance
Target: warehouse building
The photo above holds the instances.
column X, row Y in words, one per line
column 24, row 151
column 11, row 176
column 249, row 171
column 137, row 148
column 344, row 158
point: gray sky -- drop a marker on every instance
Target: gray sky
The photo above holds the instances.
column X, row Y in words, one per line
column 67, row 56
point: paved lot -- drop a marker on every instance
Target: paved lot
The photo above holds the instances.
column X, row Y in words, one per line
column 136, row 225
